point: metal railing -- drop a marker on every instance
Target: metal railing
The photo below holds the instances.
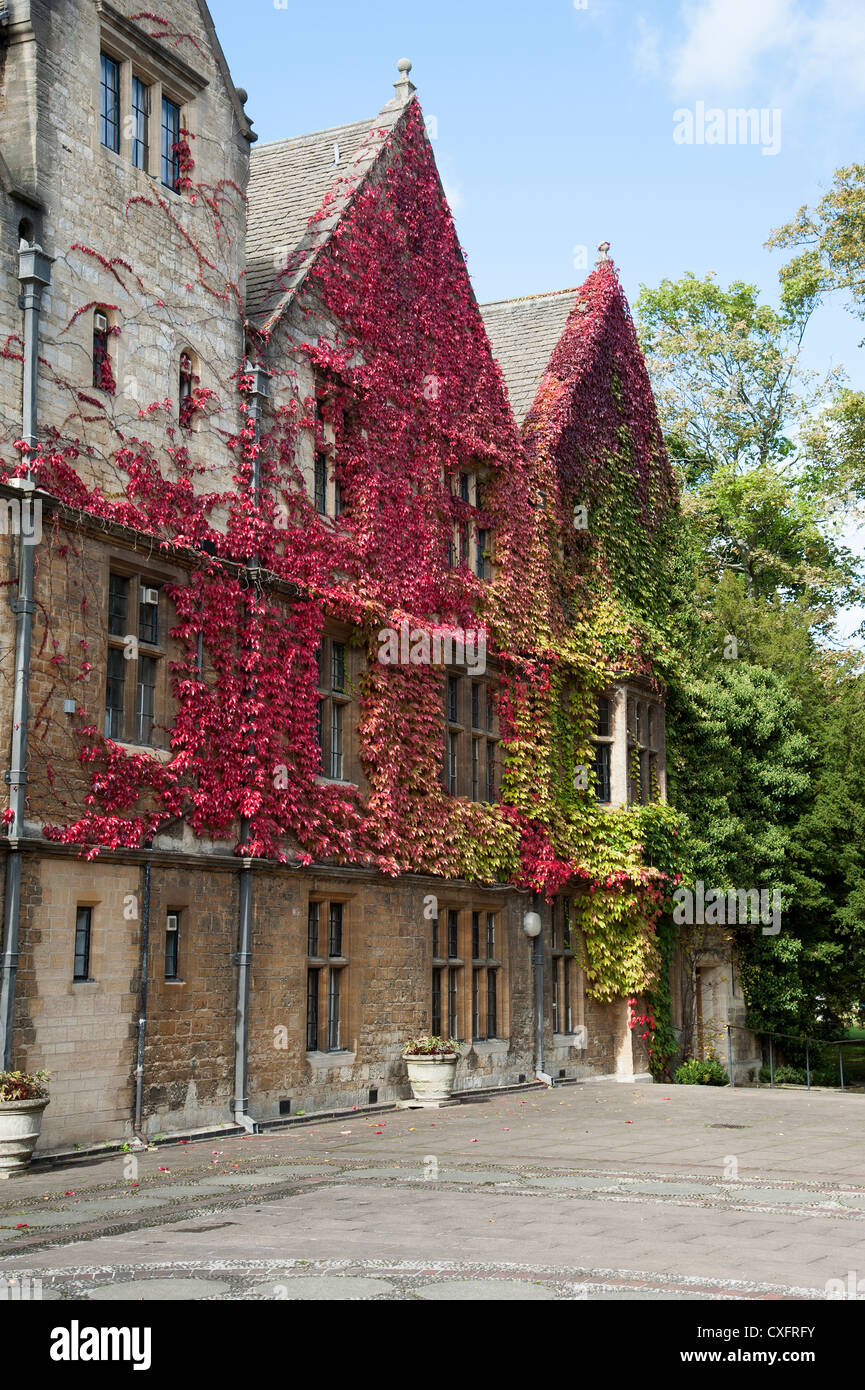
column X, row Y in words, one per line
column 812, row 1047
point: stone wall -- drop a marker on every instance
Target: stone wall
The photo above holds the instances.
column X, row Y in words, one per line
column 165, row 297
column 85, row 1032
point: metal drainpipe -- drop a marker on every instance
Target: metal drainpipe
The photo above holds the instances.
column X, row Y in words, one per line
column 539, row 988
column 243, row 958
column 243, row 954
column 142, row 1011
column 34, row 274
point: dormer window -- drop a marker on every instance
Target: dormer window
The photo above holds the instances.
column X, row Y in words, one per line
column 109, row 103
column 146, row 93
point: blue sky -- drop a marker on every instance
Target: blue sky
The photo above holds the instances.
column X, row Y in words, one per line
column 554, row 124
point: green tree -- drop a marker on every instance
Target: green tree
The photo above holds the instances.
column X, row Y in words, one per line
column 758, row 744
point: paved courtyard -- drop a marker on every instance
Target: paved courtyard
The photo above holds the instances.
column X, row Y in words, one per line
column 592, row 1191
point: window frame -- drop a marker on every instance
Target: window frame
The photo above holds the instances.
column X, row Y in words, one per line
column 100, row 353
column 486, row 968
column 141, row 117
column 334, row 721
column 468, row 543
column 107, row 58
column 144, row 650
column 87, row 929
column 172, row 939
column 645, row 748
column 327, row 1001
column 567, row 993
column 158, row 68
column 170, row 160
column 461, row 992
column 470, row 761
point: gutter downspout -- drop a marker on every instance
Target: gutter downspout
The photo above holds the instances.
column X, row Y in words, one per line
column 243, row 958
column 539, row 995
column 34, row 274
column 243, row 954
column 142, row 1010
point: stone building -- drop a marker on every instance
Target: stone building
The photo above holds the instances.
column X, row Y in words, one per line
column 188, row 975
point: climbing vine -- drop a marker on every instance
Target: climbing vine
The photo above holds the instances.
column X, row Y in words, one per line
column 406, row 398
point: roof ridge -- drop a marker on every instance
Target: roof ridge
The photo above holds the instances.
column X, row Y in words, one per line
column 348, row 180
column 524, row 298
column 314, row 134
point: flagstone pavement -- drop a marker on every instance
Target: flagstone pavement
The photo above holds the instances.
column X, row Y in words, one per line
column 593, row 1191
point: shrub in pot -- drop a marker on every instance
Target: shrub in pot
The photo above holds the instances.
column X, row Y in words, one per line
column 23, row 1098
column 431, row 1063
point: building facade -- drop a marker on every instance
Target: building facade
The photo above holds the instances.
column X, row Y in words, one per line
column 317, row 538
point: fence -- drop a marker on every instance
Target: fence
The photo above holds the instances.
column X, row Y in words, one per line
column 831, row 1062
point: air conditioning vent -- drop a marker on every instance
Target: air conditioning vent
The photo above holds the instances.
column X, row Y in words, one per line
column 149, row 595
column 100, row 321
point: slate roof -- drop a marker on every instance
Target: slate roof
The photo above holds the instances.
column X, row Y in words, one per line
column 288, row 182
column 523, row 334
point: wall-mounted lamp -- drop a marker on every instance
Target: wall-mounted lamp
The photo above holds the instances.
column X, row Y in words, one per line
column 532, row 924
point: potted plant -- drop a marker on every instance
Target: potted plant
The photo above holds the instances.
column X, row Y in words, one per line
column 431, row 1064
column 23, row 1097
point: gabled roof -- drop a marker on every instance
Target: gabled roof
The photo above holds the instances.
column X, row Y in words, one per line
column 290, row 182
column 523, row 334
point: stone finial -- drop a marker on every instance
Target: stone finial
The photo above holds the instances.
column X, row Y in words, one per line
column 604, row 249
column 404, row 87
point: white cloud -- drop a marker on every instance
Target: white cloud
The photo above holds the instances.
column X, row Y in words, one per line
column 725, row 41
column 794, row 44
column 834, row 43
column 646, row 51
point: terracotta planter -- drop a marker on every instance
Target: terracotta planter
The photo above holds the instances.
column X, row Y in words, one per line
column 20, row 1123
column 432, row 1078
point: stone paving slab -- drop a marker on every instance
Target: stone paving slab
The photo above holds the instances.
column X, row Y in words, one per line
column 384, row 1280
column 438, row 1222
column 573, row 1175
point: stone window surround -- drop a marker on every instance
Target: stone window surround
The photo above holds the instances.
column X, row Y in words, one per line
column 644, row 703
column 333, row 506
column 181, row 933
column 125, row 569
column 566, row 974
column 94, row 903
column 321, row 1057
column 463, row 965
column 327, row 697
column 475, row 475
column 464, row 730
column 163, row 71
column 621, row 743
